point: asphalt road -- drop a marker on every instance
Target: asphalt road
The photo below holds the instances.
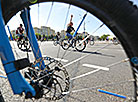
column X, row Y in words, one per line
column 101, row 68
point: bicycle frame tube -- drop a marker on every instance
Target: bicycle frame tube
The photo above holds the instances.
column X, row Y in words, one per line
column 79, row 25
column 25, row 15
column 10, row 33
column 17, row 82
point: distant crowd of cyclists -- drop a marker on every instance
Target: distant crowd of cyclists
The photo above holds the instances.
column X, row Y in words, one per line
column 69, row 33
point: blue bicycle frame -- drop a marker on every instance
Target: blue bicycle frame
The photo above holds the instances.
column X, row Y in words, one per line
column 10, row 33
column 16, row 80
column 25, row 15
column 79, row 25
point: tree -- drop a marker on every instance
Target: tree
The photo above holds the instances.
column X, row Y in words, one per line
column 103, row 37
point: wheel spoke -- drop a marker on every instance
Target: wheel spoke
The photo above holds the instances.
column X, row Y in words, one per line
column 99, row 68
column 102, row 86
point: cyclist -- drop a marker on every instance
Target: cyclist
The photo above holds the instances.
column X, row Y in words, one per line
column 20, row 31
column 58, row 36
column 70, row 29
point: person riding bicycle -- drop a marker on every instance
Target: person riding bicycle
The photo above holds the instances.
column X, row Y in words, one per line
column 20, row 31
column 58, row 36
column 70, row 29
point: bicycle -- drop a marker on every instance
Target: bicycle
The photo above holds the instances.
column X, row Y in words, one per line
column 115, row 41
column 90, row 40
column 116, row 21
column 23, row 44
column 74, row 43
column 55, row 42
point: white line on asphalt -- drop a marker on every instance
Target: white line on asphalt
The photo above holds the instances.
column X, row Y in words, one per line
column 86, row 74
column 97, row 67
column 59, row 59
column 76, row 60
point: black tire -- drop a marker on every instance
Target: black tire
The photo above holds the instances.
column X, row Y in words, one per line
column 1, row 98
column 27, row 45
column 64, row 44
column 19, row 44
column 115, row 42
column 80, row 47
column 91, row 42
column 55, row 43
column 121, row 16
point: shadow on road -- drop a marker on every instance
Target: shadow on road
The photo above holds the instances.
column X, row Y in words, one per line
column 25, row 50
column 96, row 53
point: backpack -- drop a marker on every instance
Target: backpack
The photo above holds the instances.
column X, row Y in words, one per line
column 17, row 32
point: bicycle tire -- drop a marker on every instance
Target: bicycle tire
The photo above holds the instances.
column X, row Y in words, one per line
column 19, row 44
column 55, row 43
column 1, row 97
column 27, row 45
column 115, row 43
column 92, row 42
column 121, row 16
column 77, row 46
column 64, row 44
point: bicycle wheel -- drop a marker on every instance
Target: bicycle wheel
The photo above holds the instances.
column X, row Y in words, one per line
column 80, row 47
column 55, row 43
column 116, row 14
column 26, row 44
column 91, row 42
column 19, row 44
column 115, row 42
column 64, row 44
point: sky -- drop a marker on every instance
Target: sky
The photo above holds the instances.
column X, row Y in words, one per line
column 39, row 17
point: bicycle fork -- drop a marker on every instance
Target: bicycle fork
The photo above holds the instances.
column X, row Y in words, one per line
column 17, row 82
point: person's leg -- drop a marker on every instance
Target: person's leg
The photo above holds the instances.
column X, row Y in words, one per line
column 70, row 36
column 19, row 38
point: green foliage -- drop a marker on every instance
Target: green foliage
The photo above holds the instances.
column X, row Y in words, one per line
column 103, row 37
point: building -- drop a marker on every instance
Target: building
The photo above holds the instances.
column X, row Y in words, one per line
column 47, row 31
column 37, row 30
column 52, row 32
column 44, row 30
column 63, row 33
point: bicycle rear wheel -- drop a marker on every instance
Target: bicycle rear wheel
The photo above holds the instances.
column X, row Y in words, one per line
column 91, row 42
column 55, row 43
column 80, row 46
column 19, row 44
column 65, row 44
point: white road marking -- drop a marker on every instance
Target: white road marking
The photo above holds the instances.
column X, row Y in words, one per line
column 75, row 60
column 86, row 74
column 63, row 60
column 97, row 67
